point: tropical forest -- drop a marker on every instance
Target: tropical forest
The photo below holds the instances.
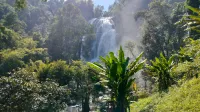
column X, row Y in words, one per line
column 99, row 55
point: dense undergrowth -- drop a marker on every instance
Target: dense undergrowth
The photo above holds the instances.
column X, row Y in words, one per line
column 185, row 98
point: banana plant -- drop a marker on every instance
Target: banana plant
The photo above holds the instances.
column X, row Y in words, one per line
column 116, row 74
column 161, row 69
column 192, row 22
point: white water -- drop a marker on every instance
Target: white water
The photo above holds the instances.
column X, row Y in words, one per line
column 82, row 42
column 105, row 37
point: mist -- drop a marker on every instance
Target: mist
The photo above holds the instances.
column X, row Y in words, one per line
column 128, row 28
column 129, row 31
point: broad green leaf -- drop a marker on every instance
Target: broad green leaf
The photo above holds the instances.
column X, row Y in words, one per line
column 136, row 61
column 121, row 55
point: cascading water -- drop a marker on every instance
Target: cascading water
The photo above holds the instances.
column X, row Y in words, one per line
column 105, row 37
column 82, row 43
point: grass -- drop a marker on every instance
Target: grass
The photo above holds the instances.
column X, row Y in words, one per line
column 185, row 98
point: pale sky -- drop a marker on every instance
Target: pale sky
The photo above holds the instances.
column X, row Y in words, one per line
column 104, row 3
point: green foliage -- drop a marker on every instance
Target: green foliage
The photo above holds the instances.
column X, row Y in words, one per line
column 194, row 4
column 76, row 76
column 86, row 7
column 117, row 74
column 12, row 59
column 188, row 66
column 98, row 11
column 161, row 69
column 4, row 9
column 179, row 99
column 20, row 4
column 60, row 72
column 64, row 41
column 185, row 98
column 37, row 36
column 189, row 60
column 145, row 104
column 28, row 43
column 159, row 33
column 11, row 20
column 22, row 91
column 8, row 38
column 85, row 83
column 192, row 22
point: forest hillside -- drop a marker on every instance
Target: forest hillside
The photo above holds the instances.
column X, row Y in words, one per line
column 75, row 56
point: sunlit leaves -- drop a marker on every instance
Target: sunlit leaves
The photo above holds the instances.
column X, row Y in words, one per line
column 20, row 4
column 22, row 91
column 119, row 74
column 161, row 68
column 192, row 21
column 189, row 59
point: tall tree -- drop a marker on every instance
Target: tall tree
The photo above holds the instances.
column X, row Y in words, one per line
column 98, row 11
column 159, row 33
column 64, row 41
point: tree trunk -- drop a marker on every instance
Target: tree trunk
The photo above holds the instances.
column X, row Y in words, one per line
column 85, row 106
column 120, row 107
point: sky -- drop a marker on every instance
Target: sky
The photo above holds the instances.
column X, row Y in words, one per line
column 105, row 3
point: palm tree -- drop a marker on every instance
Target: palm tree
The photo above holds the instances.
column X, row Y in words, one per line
column 117, row 75
column 161, row 68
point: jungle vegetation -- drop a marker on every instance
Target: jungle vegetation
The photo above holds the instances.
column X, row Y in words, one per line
column 41, row 69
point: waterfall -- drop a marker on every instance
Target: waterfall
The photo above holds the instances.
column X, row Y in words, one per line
column 105, row 37
column 82, row 43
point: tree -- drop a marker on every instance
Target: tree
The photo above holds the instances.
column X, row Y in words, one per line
column 159, row 33
column 76, row 76
column 130, row 46
column 11, row 21
column 86, row 7
column 20, row 4
column 64, row 41
column 161, row 69
column 85, row 83
column 58, row 71
column 22, row 91
column 98, row 11
column 117, row 74
column 189, row 55
column 188, row 66
column 8, row 38
column 13, row 59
